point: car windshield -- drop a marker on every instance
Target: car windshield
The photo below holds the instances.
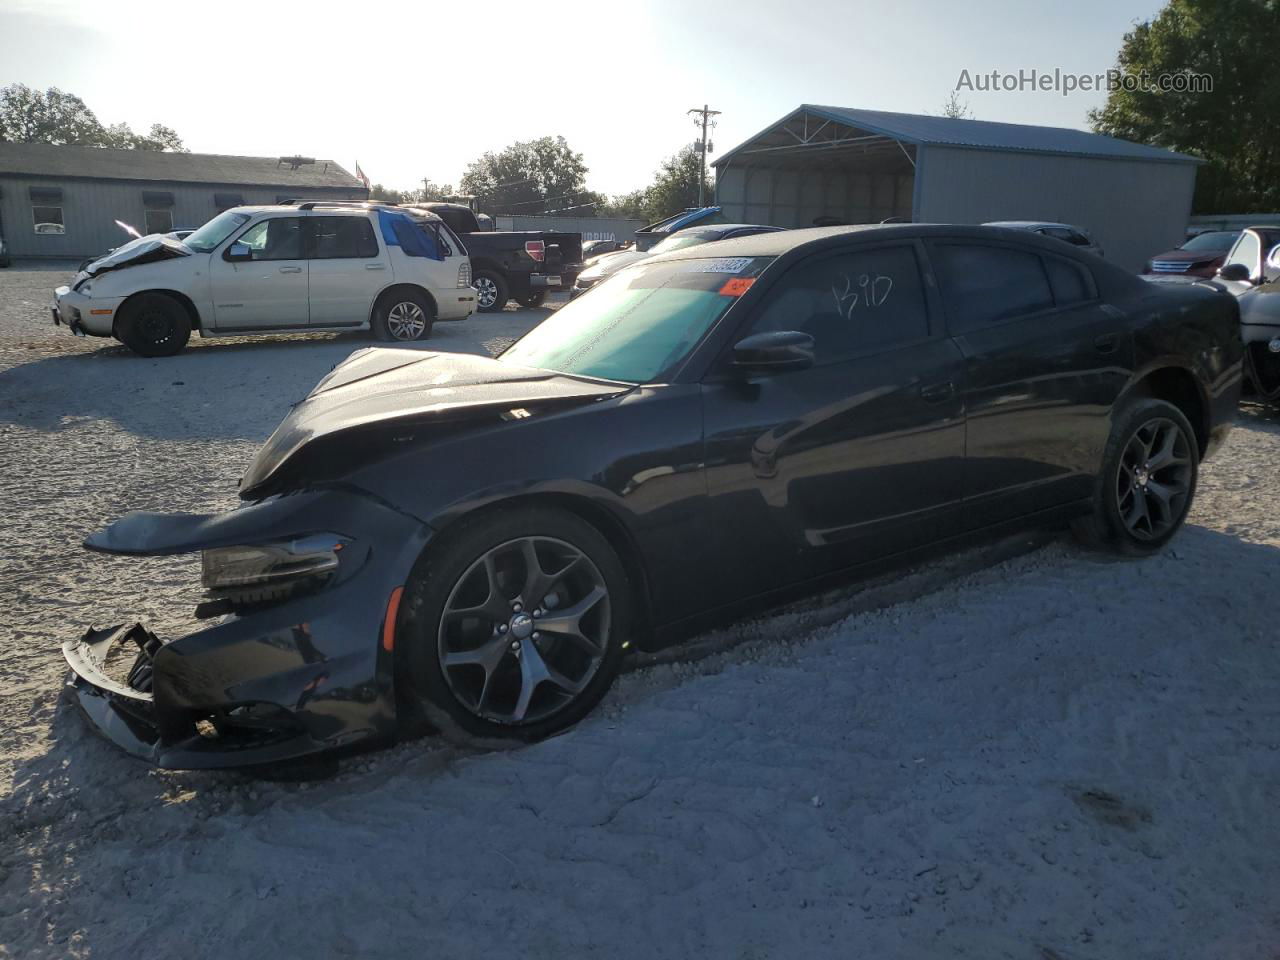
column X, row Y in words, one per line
column 681, row 240
column 207, row 238
column 1216, row 242
column 639, row 324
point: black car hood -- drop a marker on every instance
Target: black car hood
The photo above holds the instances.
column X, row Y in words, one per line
column 380, row 386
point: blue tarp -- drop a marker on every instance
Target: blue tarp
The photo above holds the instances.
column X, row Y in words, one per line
column 401, row 230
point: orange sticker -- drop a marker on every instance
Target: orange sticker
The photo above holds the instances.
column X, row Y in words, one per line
column 737, row 286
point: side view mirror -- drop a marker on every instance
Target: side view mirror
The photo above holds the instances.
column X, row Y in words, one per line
column 1235, row 272
column 238, row 251
column 774, row 352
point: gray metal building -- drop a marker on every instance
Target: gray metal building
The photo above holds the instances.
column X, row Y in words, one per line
column 63, row 202
column 864, row 166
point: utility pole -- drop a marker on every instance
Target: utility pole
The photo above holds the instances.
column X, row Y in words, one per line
column 703, row 118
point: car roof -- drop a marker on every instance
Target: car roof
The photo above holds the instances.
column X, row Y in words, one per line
column 329, row 210
column 779, row 242
column 724, row 228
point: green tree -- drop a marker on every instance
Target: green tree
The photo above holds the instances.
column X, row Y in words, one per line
column 533, row 176
column 630, row 206
column 428, row 192
column 120, row 136
column 49, row 116
column 675, row 185
column 54, row 116
column 1233, row 124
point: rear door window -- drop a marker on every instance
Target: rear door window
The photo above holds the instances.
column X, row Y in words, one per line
column 1071, row 282
column 851, row 303
column 985, row 285
column 335, row 238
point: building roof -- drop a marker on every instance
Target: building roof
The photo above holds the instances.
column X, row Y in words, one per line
column 982, row 134
column 96, row 163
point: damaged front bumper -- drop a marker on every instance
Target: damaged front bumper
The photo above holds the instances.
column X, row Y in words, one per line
column 125, row 713
column 310, row 672
column 84, row 315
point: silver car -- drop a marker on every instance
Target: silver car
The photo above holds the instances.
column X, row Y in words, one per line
column 1076, row 236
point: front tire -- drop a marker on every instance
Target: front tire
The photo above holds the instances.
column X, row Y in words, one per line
column 492, row 292
column 1147, row 482
column 403, row 317
column 513, row 627
column 153, row 325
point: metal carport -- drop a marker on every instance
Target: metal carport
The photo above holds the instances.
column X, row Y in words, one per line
column 865, row 166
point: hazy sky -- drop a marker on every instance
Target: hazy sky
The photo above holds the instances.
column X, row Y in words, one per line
column 414, row 90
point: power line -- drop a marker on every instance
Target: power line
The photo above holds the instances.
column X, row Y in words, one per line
column 706, row 113
column 567, row 196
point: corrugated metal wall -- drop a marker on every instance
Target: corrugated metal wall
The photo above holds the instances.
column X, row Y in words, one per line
column 591, row 228
column 91, row 207
column 1133, row 208
column 793, row 196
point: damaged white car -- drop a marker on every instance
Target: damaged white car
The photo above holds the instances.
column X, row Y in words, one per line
column 297, row 267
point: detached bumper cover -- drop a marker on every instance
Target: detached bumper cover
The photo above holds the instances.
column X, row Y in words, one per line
column 125, row 715
column 304, row 675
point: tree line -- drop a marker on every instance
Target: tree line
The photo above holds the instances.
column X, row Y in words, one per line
column 57, row 117
column 547, row 176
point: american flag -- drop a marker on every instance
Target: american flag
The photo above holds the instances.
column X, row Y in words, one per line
column 360, row 176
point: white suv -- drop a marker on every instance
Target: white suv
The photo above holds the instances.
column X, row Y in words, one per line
column 296, row 267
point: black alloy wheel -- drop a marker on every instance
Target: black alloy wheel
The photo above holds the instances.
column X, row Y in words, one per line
column 513, row 626
column 524, row 630
column 1154, row 479
column 1146, row 482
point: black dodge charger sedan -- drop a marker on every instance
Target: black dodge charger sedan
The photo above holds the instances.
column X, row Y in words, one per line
column 434, row 541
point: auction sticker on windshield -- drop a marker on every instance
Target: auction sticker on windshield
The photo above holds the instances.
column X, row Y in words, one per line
column 720, row 265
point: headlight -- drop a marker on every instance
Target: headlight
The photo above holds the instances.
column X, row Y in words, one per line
column 262, row 569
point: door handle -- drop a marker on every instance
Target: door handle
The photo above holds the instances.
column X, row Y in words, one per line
column 374, row 266
column 290, row 269
column 937, row 392
column 1107, row 343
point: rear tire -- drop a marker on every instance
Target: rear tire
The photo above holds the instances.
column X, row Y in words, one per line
column 486, row 665
column 1147, row 482
column 492, row 292
column 533, row 300
column 153, row 325
column 403, row 317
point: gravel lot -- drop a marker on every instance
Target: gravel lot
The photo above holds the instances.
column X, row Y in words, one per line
column 1051, row 756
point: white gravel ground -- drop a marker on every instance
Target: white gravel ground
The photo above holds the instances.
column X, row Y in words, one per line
column 1056, row 757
